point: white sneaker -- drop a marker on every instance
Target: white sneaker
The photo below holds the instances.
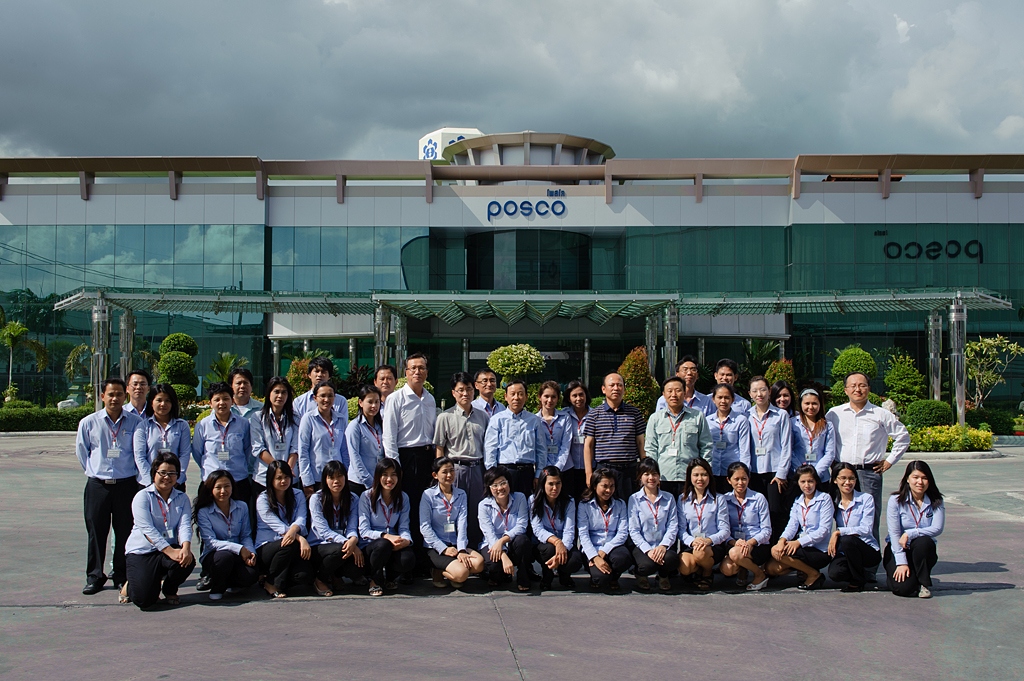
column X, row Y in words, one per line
column 925, row 592
column 216, row 597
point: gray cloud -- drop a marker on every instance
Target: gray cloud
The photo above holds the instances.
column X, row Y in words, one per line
column 367, row 79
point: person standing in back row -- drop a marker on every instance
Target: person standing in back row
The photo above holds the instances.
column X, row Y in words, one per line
column 409, row 418
column 486, row 382
column 862, row 435
column 727, row 371
column 688, row 370
column 459, row 435
column 320, row 369
column 614, row 437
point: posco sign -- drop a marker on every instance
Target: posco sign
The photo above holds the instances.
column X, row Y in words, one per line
column 496, row 209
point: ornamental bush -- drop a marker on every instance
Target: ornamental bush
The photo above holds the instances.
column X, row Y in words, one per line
column 426, row 386
column 298, row 376
column 781, row 370
column 905, row 383
column 853, row 359
column 837, row 396
column 927, row 414
column 950, row 439
column 49, row 419
column 1001, row 422
column 177, row 367
column 641, row 389
column 180, row 342
column 512, row 361
column 532, row 397
column 186, row 393
column 17, row 404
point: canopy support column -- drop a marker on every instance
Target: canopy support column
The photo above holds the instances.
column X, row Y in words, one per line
column 935, row 355
column 586, row 363
column 401, row 341
column 126, row 342
column 671, row 338
column 275, row 348
column 352, row 351
column 652, row 342
column 99, row 365
column 957, row 341
column 700, row 351
column 465, row 354
column 381, row 331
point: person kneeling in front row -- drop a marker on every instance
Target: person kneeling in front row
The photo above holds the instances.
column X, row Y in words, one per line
column 503, row 520
column 653, row 524
column 160, row 545
column 281, row 547
column 384, row 528
column 603, row 524
column 334, row 530
column 444, row 524
column 811, row 516
column 853, row 546
column 228, row 557
column 553, row 521
column 703, row 524
column 750, row 528
column 915, row 517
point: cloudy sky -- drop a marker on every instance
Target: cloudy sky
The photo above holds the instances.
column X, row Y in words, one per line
column 367, row 78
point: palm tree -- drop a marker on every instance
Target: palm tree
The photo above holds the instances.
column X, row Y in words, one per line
column 77, row 363
column 222, row 365
column 12, row 334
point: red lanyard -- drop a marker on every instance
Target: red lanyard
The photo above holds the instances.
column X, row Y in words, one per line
column 551, row 428
column 917, row 518
column 373, row 431
column 277, row 426
column 675, row 423
column 387, row 514
column 224, row 433
column 491, row 409
column 804, row 508
column 505, row 515
column 810, row 438
column 700, row 511
column 163, row 431
column 327, row 426
column 846, row 516
column 551, row 518
column 739, row 518
column 760, row 428
column 163, row 512
column 113, row 432
column 337, row 516
column 447, row 506
column 654, row 510
column 607, row 518
column 721, row 428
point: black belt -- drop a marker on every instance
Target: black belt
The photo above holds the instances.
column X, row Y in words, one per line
column 114, row 481
column 466, row 462
column 620, row 466
column 865, row 466
column 518, row 466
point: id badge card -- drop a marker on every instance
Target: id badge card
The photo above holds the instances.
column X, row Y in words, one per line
column 223, row 454
column 278, row 446
column 701, row 535
column 579, row 438
column 114, row 453
column 552, row 449
column 164, row 451
column 656, row 536
column 449, row 527
column 760, row 451
column 170, row 534
column 721, row 444
column 672, row 451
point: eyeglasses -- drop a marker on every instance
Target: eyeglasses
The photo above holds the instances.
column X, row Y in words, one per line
column 463, row 391
column 421, row 370
column 167, row 474
column 499, row 485
column 487, row 381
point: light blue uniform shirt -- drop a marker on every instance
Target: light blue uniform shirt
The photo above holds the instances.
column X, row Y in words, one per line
column 772, row 438
column 654, row 524
column 709, row 518
column 740, row 404
column 280, row 440
column 365, row 448
column 150, row 438
column 494, row 524
column 859, row 519
column 735, row 434
column 699, row 401
column 96, row 441
column 271, row 527
column 550, row 525
column 158, row 525
column 515, row 439
column 444, row 523
column 557, row 439
column 819, row 452
column 384, row 520
column 249, row 410
column 749, row 520
column 575, row 439
column 812, row 520
column 225, row 534
column 900, row 518
column 599, row 531
column 481, row 404
column 215, row 446
column 320, row 531
column 305, row 403
column 320, row 442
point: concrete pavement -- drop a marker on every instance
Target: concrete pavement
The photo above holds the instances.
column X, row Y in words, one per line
column 971, row 629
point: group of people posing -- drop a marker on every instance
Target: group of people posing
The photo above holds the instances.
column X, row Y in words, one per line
column 292, row 492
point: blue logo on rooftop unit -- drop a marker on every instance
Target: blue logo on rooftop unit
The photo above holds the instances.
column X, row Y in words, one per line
column 430, row 150
column 525, row 208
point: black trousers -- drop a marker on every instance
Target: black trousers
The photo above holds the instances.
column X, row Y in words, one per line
column 645, row 566
column 381, row 555
column 416, row 466
column 470, row 479
column 283, row 565
column 855, row 561
column 620, row 561
column 673, row 487
column 227, row 570
column 779, row 503
column 519, row 552
column 356, row 488
column 625, row 478
column 255, row 490
column 544, row 552
column 921, row 558
column 328, row 563
column 107, row 505
column 574, row 481
column 145, row 572
column 521, row 477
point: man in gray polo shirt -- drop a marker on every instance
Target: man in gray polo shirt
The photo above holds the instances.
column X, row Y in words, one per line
column 459, row 435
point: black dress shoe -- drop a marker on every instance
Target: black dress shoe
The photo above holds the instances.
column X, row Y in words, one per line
column 93, row 588
column 204, row 583
column 813, row 586
column 852, row 588
column 406, row 579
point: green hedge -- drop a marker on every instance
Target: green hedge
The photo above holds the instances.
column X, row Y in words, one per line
column 927, row 413
column 1001, row 422
column 25, row 420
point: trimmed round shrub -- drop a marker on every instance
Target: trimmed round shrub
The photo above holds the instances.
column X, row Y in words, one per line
column 177, row 367
column 927, row 414
column 853, row 359
column 353, row 408
column 186, row 393
column 641, row 389
column 1001, row 422
column 904, row 382
column 298, row 376
column 781, row 370
column 180, row 342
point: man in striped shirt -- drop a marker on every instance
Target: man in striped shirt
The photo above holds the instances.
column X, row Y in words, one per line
column 614, row 437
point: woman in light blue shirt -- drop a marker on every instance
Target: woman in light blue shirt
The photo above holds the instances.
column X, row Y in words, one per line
column 321, row 438
column 334, row 531
column 162, row 431
column 228, row 557
column 811, row 516
column 444, row 524
column 281, row 545
column 853, row 546
column 274, row 433
column 914, row 518
column 363, row 439
column 814, row 438
column 577, row 406
column 159, row 549
column 751, row 530
column 503, row 518
column 653, row 525
column 703, row 524
column 384, row 528
column 772, row 438
column 556, row 428
column 553, row 521
column 730, row 436
column 603, row 525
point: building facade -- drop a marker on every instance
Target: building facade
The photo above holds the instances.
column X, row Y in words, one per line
column 524, row 237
